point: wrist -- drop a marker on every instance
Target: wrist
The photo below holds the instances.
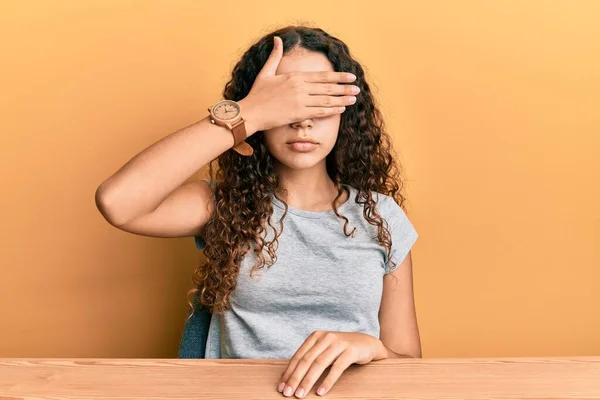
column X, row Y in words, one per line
column 247, row 112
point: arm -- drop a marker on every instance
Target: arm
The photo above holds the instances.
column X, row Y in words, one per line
column 147, row 195
column 397, row 316
column 399, row 338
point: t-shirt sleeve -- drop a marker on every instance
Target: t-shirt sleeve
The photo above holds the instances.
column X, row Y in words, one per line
column 199, row 241
column 403, row 235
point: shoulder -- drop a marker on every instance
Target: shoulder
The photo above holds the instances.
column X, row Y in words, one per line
column 403, row 233
column 388, row 208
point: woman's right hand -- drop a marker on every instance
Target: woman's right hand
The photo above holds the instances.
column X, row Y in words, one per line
column 277, row 100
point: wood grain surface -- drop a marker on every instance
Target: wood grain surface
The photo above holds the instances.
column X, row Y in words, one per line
column 87, row 378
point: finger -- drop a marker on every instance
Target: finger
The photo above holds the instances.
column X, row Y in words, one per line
column 310, row 341
column 321, row 112
column 330, row 101
column 306, row 346
column 320, row 364
column 274, row 58
column 328, row 76
column 332, row 89
column 338, row 367
column 304, row 364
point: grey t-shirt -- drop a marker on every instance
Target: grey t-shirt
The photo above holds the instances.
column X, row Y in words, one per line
column 322, row 280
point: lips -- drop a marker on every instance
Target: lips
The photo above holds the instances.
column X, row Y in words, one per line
column 303, row 146
column 303, row 141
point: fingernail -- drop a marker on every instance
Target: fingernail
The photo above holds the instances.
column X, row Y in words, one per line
column 352, row 99
column 288, row 391
column 300, row 393
column 351, row 76
column 321, row 391
column 280, row 387
column 355, row 89
column 275, row 42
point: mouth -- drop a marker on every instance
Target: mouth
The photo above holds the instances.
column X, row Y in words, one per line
column 302, row 141
column 303, row 145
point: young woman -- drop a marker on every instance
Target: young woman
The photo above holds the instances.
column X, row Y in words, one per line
column 302, row 225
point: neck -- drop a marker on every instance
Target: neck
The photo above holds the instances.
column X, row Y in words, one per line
column 309, row 189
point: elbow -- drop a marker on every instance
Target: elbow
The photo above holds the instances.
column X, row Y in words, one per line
column 108, row 207
column 414, row 352
column 406, row 353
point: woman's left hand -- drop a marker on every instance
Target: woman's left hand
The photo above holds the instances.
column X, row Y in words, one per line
column 322, row 349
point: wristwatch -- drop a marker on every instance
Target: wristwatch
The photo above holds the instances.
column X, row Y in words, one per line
column 227, row 113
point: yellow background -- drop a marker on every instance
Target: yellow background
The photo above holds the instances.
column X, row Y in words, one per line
column 493, row 107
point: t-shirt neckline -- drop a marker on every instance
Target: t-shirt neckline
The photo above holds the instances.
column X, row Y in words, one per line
column 316, row 214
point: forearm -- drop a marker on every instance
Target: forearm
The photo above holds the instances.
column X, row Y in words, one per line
column 142, row 184
column 384, row 352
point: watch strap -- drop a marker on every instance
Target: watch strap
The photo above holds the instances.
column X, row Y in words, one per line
column 239, row 131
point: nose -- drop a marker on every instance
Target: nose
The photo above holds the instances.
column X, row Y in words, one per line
column 307, row 123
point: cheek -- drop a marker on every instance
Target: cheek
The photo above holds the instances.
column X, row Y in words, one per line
column 273, row 138
column 332, row 127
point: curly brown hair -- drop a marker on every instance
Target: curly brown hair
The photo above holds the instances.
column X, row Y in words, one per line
column 362, row 158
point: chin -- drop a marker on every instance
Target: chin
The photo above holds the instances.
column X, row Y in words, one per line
column 300, row 161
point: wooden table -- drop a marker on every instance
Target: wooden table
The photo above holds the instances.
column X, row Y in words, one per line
column 517, row 378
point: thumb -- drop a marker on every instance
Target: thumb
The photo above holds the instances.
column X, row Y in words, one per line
column 274, row 58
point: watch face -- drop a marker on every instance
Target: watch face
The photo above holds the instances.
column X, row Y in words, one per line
column 226, row 110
